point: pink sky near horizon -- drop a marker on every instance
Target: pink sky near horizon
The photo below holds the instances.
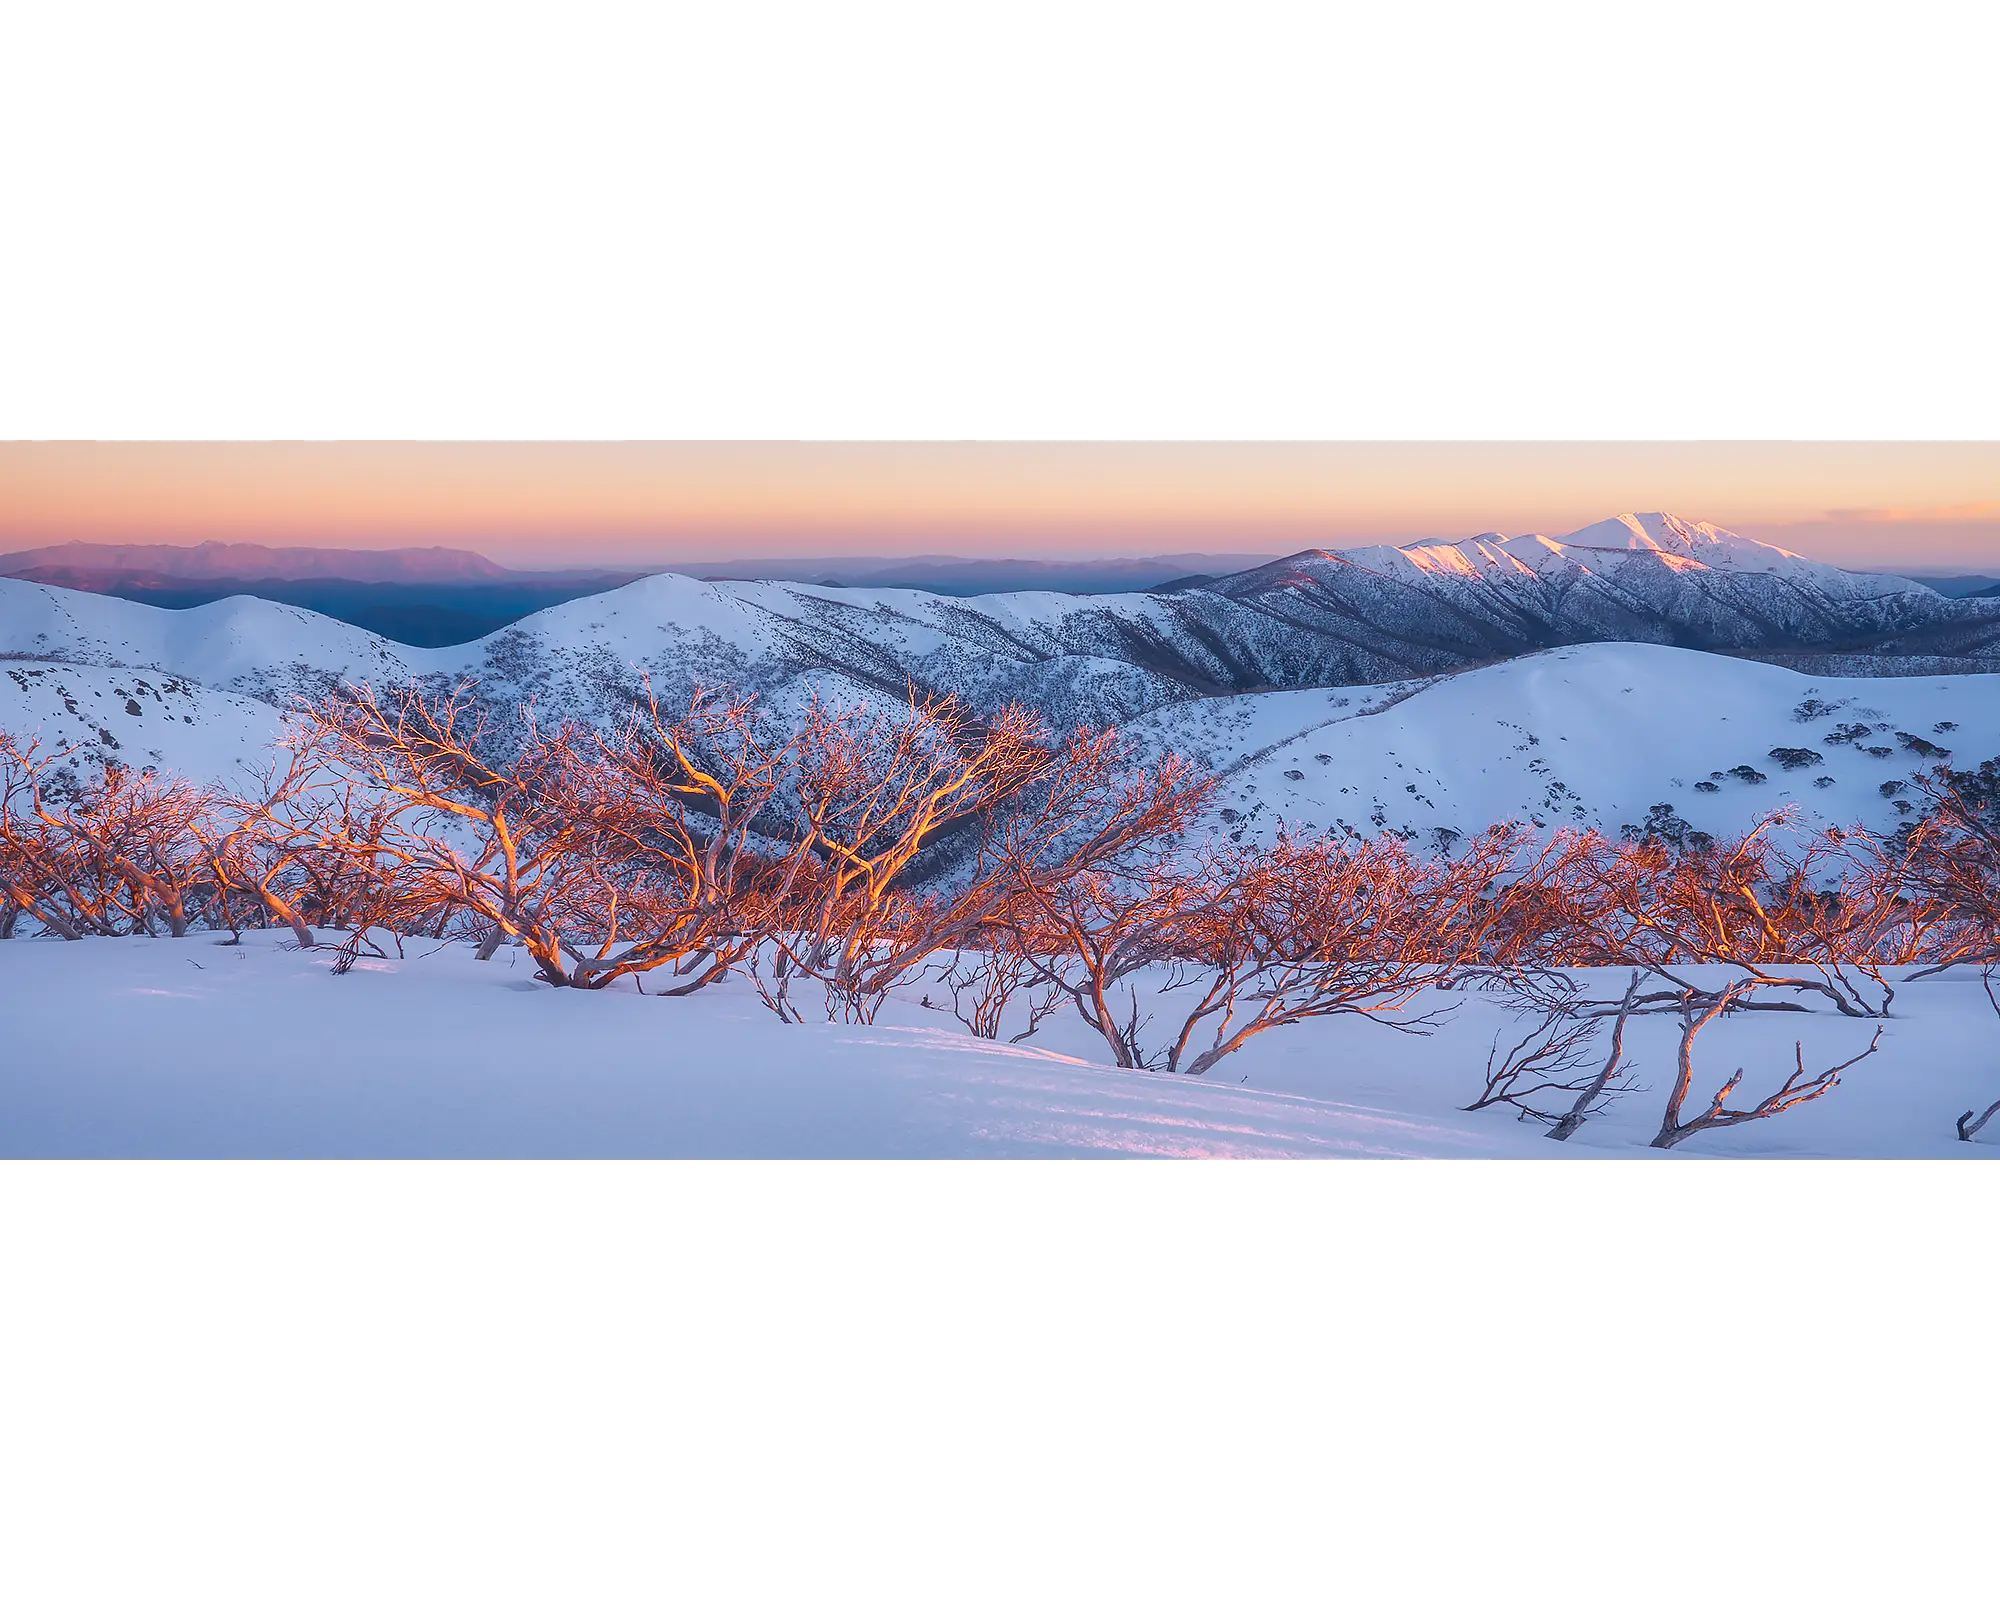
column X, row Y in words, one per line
column 550, row 504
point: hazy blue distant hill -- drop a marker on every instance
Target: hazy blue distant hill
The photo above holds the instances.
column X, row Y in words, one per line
column 418, row 613
column 1966, row 587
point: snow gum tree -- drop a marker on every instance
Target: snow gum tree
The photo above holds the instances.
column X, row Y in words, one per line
column 487, row 834
column 1696, row 1013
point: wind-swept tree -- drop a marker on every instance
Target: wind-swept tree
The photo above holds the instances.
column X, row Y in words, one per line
column 1950, row 857
column 475, row 832
column 1755, row 903
column 675, row 803
column 872, row 791
column 1554, row 1058
column 33, row 859
column 117, row 857
column 256, row 845
column 1697, row 1011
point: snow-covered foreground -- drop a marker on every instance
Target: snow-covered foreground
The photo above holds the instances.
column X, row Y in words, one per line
column 139, row 1047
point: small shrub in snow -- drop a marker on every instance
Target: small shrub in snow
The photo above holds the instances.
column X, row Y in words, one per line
column 1791, row 758
column 1747, row 773
column 1706, row 787
column 1664, row 823
column 1922, row 747
column 1823, row 783
column 983, row 984
column 1847, row 733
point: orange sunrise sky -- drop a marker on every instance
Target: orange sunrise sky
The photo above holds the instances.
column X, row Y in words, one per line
column 553, row 504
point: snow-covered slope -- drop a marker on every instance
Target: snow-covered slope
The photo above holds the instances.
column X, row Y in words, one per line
column 193, row 1048
column 137, row 718
column 1590, row 736
column 246, row 646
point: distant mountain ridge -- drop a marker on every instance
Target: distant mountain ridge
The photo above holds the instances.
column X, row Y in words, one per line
column 438, row 596
column 971, row 575
column 216, row 559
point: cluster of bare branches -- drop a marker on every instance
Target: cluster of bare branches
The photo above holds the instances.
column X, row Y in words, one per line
column 1950, row 859
column 1236, row 943
column 1552, row 1062
column 875, row 790
column 1837, row 903
column 117, row 859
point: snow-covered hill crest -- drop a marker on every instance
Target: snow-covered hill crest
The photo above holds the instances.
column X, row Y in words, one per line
column 242, row 645
column 1609, row 736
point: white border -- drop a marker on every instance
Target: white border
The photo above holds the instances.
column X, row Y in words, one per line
column 1051, row 219
column 982, row 1379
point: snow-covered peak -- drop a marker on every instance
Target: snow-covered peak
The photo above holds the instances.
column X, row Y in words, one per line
column 1679, row 544
column 1674, row 540
column 1660, row 533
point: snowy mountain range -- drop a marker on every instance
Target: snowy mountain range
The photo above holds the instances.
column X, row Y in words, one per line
column 1258, row 672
